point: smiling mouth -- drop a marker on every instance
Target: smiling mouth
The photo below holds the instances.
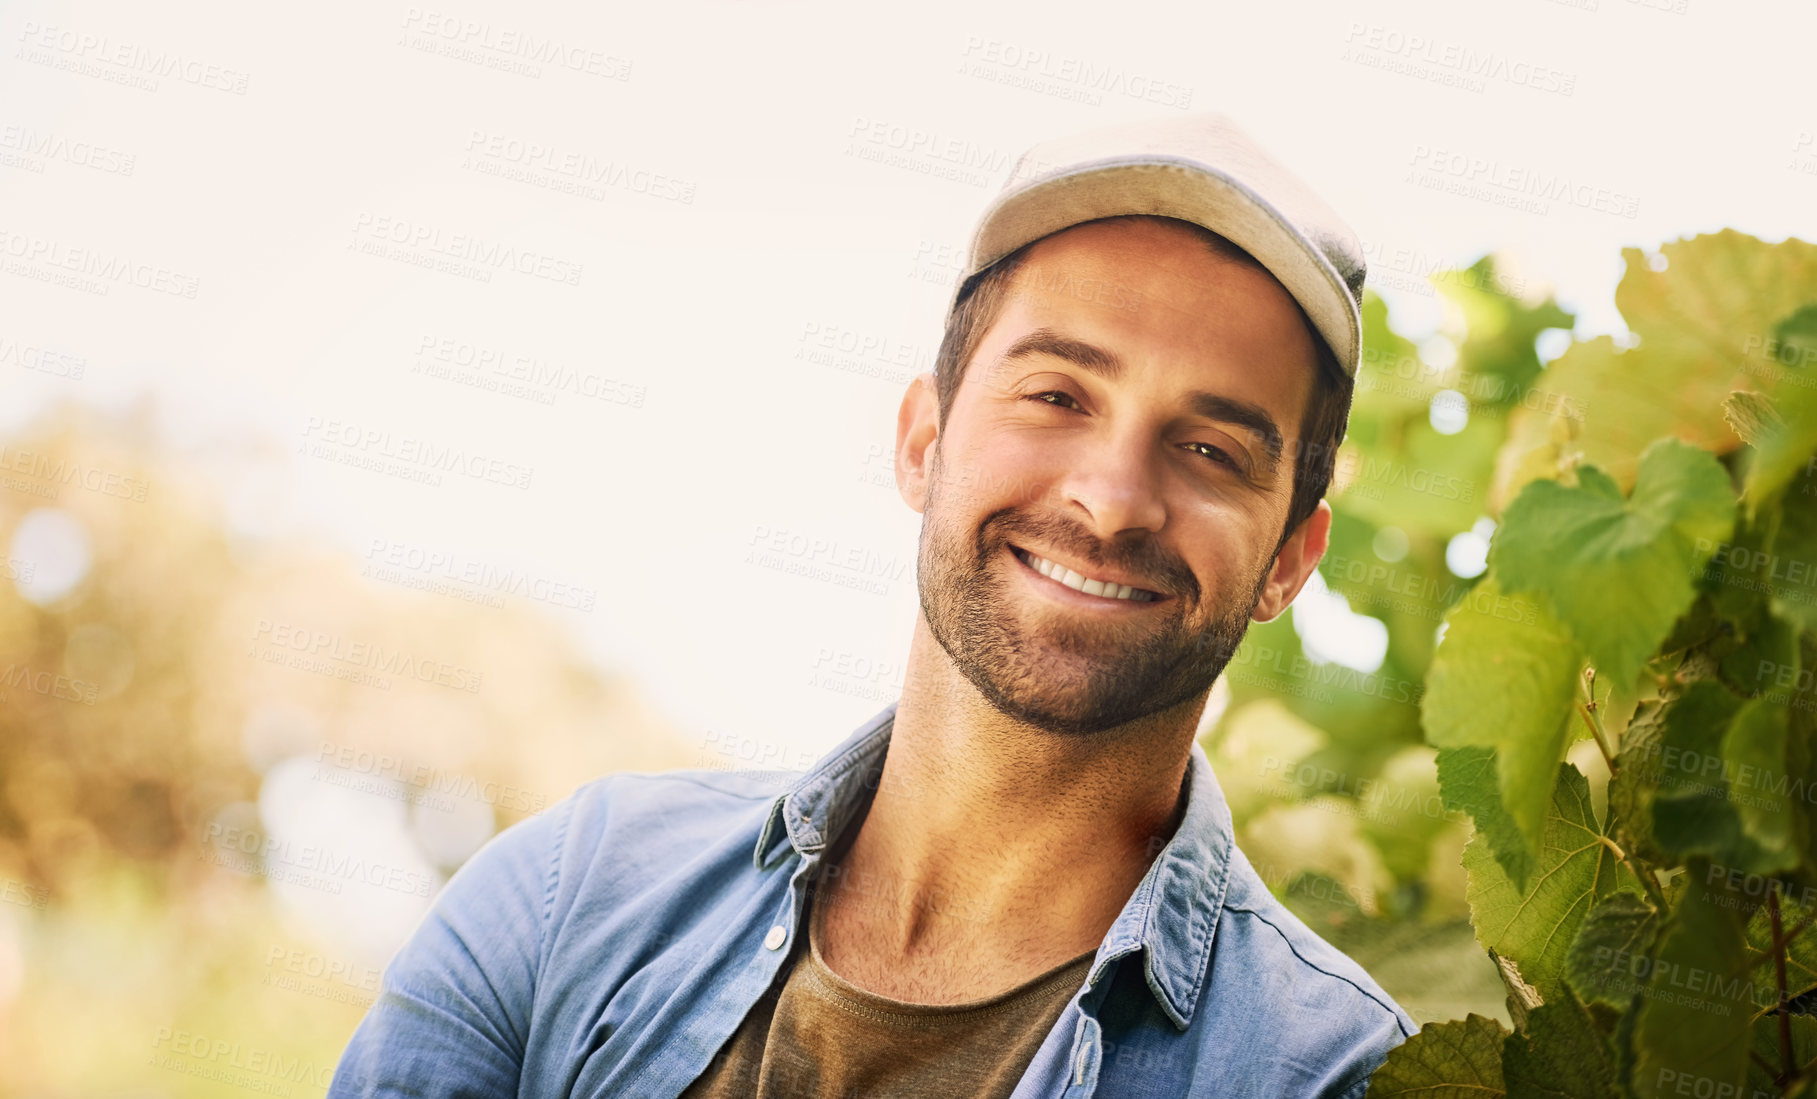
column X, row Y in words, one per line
column 1102, row 588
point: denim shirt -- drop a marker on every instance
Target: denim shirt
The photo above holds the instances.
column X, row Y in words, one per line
column 609, row 946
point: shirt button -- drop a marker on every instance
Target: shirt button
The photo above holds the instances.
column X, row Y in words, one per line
column 775, row 938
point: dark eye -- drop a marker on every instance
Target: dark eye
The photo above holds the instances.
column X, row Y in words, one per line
column 1060, row 393
column 1215, row 454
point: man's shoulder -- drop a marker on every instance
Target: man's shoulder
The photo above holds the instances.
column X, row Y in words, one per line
column 702, row 785
column 1321, row 1008
column 680, row 804
column 632, row 817
column 1259, row 922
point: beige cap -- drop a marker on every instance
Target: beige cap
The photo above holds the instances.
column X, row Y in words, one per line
column 1199, row 168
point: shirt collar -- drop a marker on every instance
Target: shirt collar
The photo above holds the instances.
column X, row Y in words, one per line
column 1170, row 918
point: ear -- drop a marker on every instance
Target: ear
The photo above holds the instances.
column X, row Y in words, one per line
column 1299, row 555
column 917, row 438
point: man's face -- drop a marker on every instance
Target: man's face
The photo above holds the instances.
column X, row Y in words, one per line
column 1131, row 416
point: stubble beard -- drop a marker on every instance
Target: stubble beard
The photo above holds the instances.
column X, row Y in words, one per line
column 1063, row 674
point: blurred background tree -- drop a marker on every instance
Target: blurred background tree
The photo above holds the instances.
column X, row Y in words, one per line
column 234, row 773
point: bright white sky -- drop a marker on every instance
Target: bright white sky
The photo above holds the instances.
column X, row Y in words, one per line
column 1689, row 120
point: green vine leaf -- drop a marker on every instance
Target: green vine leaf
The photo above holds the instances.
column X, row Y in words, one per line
column 1618, row 572
column 1788, row 575
column 1536, row 925
column 1751, row 415
column 1797, row 903
column 1766, row 1047
column 1719, row 315
column 1609, row 957
column 1754, row 758
column 1561, row 1056
column 1636, row 781
column 1696, row 809
column 1467, row 782
column 1784, row 444
column 1461, row 1059
column 1693, row 1020
column 1504, row 678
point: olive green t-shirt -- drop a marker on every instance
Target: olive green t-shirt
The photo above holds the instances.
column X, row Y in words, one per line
column 816, row 1036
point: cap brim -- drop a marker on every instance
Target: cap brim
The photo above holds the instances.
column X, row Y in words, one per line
column 1189, row 191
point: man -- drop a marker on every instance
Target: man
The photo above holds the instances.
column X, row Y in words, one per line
column 1019, row 880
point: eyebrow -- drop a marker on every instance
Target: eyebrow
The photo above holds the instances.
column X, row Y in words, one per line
column 1212, row 406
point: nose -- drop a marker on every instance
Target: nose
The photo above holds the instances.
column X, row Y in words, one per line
column 1114, row 486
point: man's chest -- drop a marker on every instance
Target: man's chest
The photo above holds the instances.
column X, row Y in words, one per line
column 951, row 958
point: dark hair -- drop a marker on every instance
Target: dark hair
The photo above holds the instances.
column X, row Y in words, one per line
column 1322, row 421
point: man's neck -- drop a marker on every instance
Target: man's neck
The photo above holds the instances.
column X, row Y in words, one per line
column 994, row 851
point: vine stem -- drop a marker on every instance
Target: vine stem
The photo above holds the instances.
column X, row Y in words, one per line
column 1594, row 720
column 1654, row 893
column 1587, row 710
column 1787, row 1065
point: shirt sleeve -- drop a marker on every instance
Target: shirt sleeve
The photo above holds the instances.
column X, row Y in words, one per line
column 1368, row 1056
column 453, row 1008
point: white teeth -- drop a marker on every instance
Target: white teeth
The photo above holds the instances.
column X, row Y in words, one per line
column 1073, row 580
